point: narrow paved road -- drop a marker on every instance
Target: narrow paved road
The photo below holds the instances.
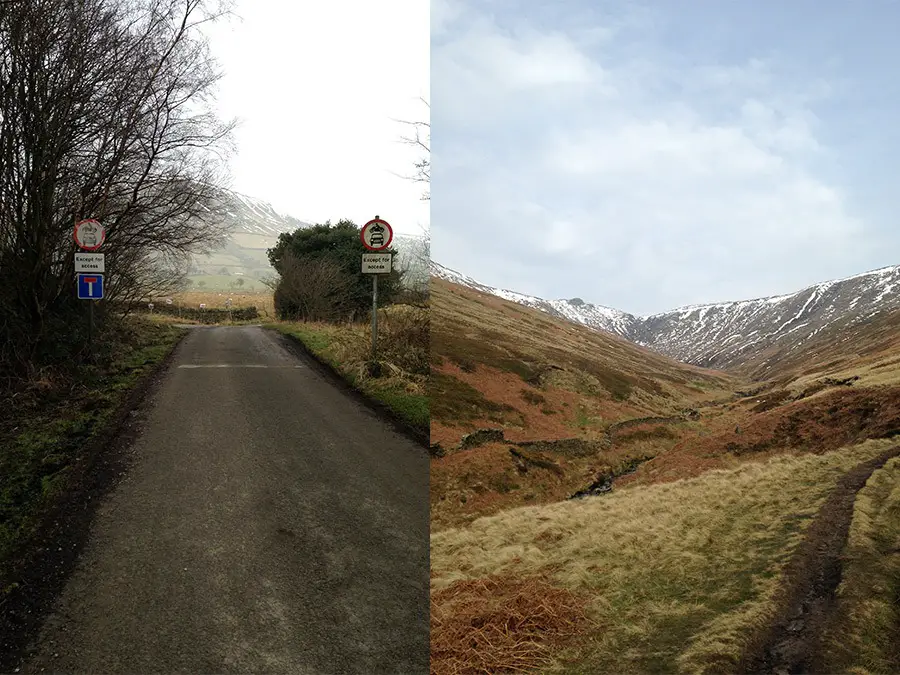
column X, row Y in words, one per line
column 267, row 523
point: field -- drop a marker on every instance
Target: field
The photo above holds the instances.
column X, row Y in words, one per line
column 226, row 283
column 262, row 300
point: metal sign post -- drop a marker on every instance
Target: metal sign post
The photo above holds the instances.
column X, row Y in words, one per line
column 374, row 316
column 376, row 235
column 89, row 236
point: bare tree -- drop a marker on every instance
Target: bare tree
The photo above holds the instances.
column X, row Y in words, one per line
column 313, row 289
column 420, row 139
column 416, row 291
column 106, row 112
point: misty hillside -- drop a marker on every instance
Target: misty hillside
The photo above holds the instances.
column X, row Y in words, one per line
column 254, row 227
column 730, row 334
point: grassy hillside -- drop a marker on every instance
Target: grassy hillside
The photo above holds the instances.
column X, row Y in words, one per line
column 699, row 487
column 498, row 365
column 225, row 283
column 668, row 578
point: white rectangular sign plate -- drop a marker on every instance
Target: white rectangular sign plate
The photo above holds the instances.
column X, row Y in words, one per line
column 89, row 262
column 376, row 263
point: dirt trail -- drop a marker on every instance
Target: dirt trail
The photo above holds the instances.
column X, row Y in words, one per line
column 806, row 599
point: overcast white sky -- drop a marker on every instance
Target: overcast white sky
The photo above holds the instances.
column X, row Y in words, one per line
column 651, row 154
column 315, row 85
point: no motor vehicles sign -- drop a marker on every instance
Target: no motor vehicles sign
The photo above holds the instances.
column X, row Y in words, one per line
column 377, row 234
column 89, row 234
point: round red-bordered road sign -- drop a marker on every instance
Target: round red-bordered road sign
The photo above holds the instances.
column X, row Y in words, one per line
column 376, row 235
column 89, row 234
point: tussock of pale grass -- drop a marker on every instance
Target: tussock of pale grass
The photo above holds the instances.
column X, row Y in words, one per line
column 863, row 640
column 677, row 573
column 402, row 343
column 404, row 336
column 501, row 625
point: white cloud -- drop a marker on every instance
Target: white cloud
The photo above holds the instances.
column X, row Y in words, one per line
column 316, row 87
column 645, row 185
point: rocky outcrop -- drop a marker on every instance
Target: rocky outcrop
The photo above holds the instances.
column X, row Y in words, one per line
column 480, row 437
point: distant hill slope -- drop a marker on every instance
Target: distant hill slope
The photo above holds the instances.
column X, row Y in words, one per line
column 471, row 331
column 592, row 316
column 254, row 226
column 751, row 335
column 544, row 380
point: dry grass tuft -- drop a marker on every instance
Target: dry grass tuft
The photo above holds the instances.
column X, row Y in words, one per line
column 501, row 624
column 404, row 333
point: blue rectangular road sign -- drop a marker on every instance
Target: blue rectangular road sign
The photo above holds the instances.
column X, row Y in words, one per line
column 90, row 286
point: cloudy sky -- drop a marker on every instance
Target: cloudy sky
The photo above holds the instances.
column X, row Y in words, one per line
column 648, row 155
column 315, row 87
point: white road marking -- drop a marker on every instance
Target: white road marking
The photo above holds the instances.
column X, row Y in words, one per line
column 233, row 365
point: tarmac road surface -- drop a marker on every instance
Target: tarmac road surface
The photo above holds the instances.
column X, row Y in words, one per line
column 268, row 523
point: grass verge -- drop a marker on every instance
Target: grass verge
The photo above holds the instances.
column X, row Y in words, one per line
column 401, row 388
column 47, row 426
column 677, row 575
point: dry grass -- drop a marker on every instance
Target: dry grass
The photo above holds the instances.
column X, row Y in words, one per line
column 472, row 329
column 483, row 481
column 834, row 418
column 677, row 574
column 402, row 343
column 501, row 625
column 864, row 640
column 873, row 371
column 402, row 353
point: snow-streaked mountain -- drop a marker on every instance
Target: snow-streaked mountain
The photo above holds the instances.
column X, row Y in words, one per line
column 252, row 227
column 730, row 334
column 727, row 334
column 248, row 215
column 593, row 316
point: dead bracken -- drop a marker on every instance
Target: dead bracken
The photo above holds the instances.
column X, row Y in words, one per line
column 501, row 624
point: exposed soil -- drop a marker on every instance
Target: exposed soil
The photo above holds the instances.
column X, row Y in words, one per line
column 806, row 600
